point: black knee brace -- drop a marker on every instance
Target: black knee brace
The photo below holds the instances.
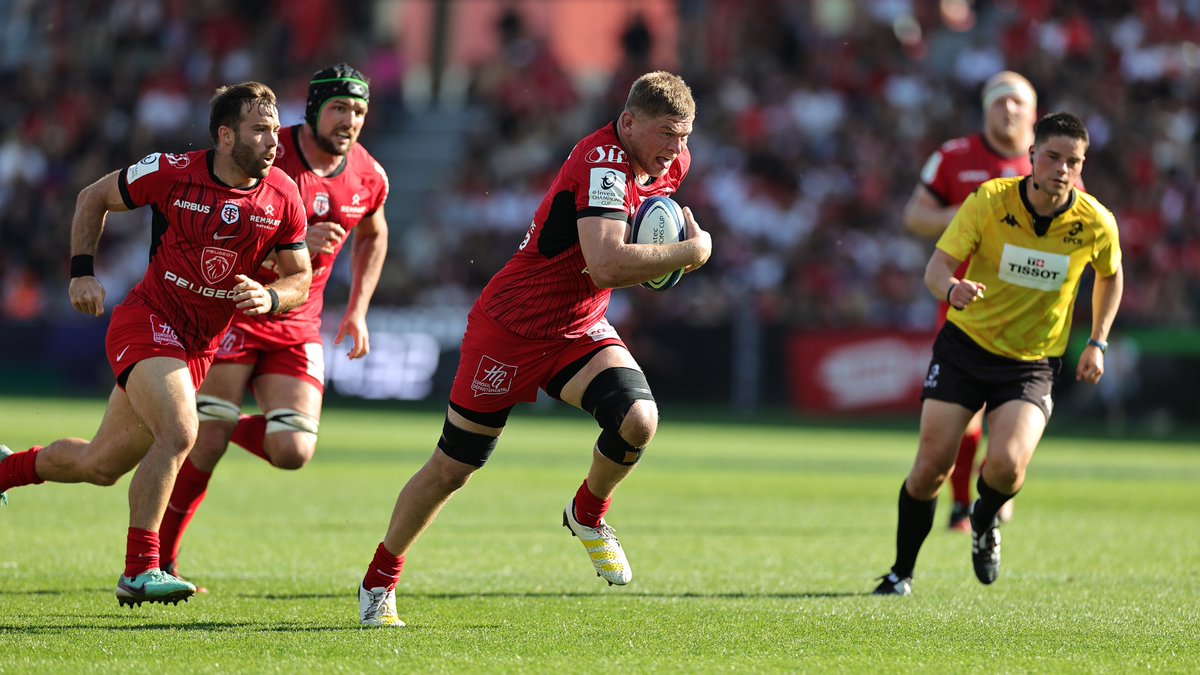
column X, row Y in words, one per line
column 611, row 394
column 467, row 447
column 611, row 445
column 608, row 398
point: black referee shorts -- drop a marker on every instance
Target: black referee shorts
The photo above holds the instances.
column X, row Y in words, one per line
column 962, row 372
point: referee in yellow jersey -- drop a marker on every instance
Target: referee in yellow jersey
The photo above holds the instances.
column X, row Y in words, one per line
column 1001, row 348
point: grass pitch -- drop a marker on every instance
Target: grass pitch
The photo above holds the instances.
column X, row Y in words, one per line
column 753, row 547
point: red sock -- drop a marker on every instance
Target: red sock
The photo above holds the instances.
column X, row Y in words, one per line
column 589, row 508
column 250, row 432
column 141, row 551
column 18, row 469
column 384, row 571
column 191, row 485
column 964, row 467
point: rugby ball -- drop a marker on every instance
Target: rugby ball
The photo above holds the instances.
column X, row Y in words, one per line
column 659, row 220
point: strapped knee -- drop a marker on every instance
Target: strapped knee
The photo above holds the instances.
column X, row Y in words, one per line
column 286, row 419
column 464, row 446
column 608, row 398
column 611, row 445
column 213, row 409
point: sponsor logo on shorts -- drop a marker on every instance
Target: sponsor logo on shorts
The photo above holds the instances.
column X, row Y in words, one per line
column 602, row 330
column 162, row 333
column 931, row 379
column 492, row 378
column 216, row 263
column 231, row 342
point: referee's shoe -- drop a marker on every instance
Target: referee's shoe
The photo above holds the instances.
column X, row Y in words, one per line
column 985, row 550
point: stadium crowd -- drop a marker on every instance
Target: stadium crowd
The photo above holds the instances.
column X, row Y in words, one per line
column 813, row 122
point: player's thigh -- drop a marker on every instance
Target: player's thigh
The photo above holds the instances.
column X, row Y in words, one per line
column 1014, row 431
column 613, row 356
column 122, row 439
column 273, row 391
column 227, row 381
column 163, row 396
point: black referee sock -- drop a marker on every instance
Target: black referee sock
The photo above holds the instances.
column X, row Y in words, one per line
column 987, row 506
column 914, row 523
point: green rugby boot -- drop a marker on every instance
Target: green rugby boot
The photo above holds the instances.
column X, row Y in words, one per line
column 153, row 586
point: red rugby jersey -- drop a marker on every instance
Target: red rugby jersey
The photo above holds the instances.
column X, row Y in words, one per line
column 356, row 190
column 204, row 234
column 954, row 170
column 542, row 292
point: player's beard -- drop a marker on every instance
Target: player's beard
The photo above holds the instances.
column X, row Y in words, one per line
column 329, row 147
column 250, row 163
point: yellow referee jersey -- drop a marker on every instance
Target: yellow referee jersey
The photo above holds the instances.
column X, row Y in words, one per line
column 1031, row 266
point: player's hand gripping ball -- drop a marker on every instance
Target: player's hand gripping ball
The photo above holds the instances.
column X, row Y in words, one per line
column 659, row 220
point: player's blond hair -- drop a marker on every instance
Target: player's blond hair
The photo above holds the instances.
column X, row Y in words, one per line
column 661, row 94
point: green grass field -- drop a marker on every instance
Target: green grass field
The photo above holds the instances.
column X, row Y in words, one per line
column 753, row 547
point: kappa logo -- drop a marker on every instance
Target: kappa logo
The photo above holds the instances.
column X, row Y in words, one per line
column 216, row 263
column 492, row 378
column 230, row 213
column 320, row 205
column 605, row 154
column 931, row 379
column 162, row 333
column 1009, row 220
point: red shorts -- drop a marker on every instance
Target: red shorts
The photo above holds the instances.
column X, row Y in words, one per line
column 498, row 368
column 136, row 333
column 274, row 356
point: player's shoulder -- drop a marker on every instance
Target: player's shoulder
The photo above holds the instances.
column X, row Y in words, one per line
column 960, row 146
column 279, row 182
column 363, row 162
column 601, row 147
column 168, row 165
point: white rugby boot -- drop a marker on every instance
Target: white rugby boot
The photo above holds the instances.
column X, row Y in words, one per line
column 602, row 547
column 377, row 608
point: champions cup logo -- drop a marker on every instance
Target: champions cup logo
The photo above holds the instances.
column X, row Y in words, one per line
column 230, row 213
column 163, row 334
column 177, row 161
column 492, row 378
column 321, row 204
column 605, row 154
column 216, row 263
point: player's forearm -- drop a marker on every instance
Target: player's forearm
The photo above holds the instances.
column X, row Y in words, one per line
column 633, row 264
column 926, row 221
column 366, row 264
column 292, row 289
column 1106, row 299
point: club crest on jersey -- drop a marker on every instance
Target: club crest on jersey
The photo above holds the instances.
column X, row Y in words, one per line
column 321, row 204
column 605, row 154
column 216, row 263
column 230, row 213
column 492, row 378
column 162, row 333
column 177, row 161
